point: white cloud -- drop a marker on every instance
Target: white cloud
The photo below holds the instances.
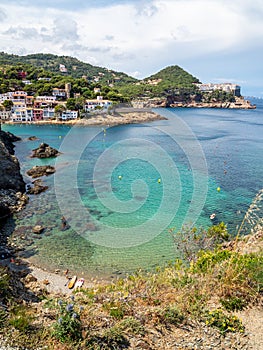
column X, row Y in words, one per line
column 131, row 35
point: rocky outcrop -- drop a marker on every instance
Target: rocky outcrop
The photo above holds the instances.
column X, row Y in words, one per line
column 45, row 151
column 150, row 103
column 38, row 171
column 32, row 138
column 193, row 102
column 10, row 177
column 12, row 185
column 238, row 104
column 37, row 187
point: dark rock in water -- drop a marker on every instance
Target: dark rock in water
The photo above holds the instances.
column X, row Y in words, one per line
column 38, row 171
column 38, row 229
column 32, row 138
column 44, row 151
column 37, row 188
column 4, row 210
column 4, row 253
column 10, row 177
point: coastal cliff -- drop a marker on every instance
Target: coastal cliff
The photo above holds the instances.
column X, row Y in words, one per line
column 12, row 186
column 171, row 101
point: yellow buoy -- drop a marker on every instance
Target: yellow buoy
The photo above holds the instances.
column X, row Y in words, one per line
column 159, row 181
column 119, row 177
column 59, row 136
column 218, row 189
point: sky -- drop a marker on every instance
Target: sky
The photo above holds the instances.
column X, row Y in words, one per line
column 214, row 40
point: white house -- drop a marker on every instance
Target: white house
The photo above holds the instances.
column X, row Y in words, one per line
column 6, row 96
column 18, row 105
column 59, row 92
column 46, row 98
column 22, row 115
column 68, row 115
column 5, row 115
column 48, row 113
column 96, row 104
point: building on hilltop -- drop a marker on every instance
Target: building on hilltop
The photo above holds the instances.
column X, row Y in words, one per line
column 62, row 68
column 61, row 93
column 227, row 87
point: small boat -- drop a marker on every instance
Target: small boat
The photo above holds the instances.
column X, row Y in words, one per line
column 72, row 282
column 212, row 216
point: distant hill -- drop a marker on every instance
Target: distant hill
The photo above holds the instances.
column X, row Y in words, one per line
column 74, row 67
column 171, row 81
column 173, row 75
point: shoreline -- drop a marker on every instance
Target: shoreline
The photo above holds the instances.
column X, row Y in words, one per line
column 132, row 117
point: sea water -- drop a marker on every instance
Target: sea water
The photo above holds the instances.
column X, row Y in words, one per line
column 126, row 190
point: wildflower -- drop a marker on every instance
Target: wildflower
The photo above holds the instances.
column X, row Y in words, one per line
column 72, row 297
column 74, row 316
column 81, row 308
column 60, row 320
column 69, row 307
column 60, row 302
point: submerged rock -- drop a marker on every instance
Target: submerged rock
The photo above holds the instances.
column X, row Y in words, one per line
column 38, row 171
column 44, row 151
column 37, row 188
column 38, row 229
column 32, row 138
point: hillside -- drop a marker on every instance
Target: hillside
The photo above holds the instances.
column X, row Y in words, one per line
column 213, row 303
column 74, row 67
column 174, row 75
column 172, row 80
column 39, row 74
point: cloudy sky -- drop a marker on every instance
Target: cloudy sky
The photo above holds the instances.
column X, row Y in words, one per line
column 215, row 40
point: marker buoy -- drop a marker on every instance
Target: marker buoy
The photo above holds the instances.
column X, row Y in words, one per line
column 159, row 181
column 119, row 177
column 218, row 189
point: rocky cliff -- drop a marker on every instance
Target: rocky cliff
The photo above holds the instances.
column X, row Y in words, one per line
column 12, row 186
column 171, row 101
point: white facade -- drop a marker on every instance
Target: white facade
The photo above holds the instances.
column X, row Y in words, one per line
column 227, row 87
column 48, row 113
column 6, row 96
column 68, row 115
column 59, row 92
column 5, row 115
column 22, row 115
column 45, row 98
column 93, row 104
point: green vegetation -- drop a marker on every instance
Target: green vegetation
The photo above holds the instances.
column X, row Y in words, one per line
column 43, row 71
column 68, row 325
column 225, row 323
column 206, row 289
column 170, row 81
column 49, row 63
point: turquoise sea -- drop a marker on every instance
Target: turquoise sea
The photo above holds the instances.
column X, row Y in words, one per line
column 123, row 189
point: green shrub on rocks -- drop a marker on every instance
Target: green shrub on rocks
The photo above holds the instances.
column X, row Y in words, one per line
column 225, row 323
column 68, row 326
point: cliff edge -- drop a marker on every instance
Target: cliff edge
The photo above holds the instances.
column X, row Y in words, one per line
column 12, row 185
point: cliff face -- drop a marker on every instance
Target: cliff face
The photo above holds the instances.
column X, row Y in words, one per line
column 12, row 185
column 194, row 102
